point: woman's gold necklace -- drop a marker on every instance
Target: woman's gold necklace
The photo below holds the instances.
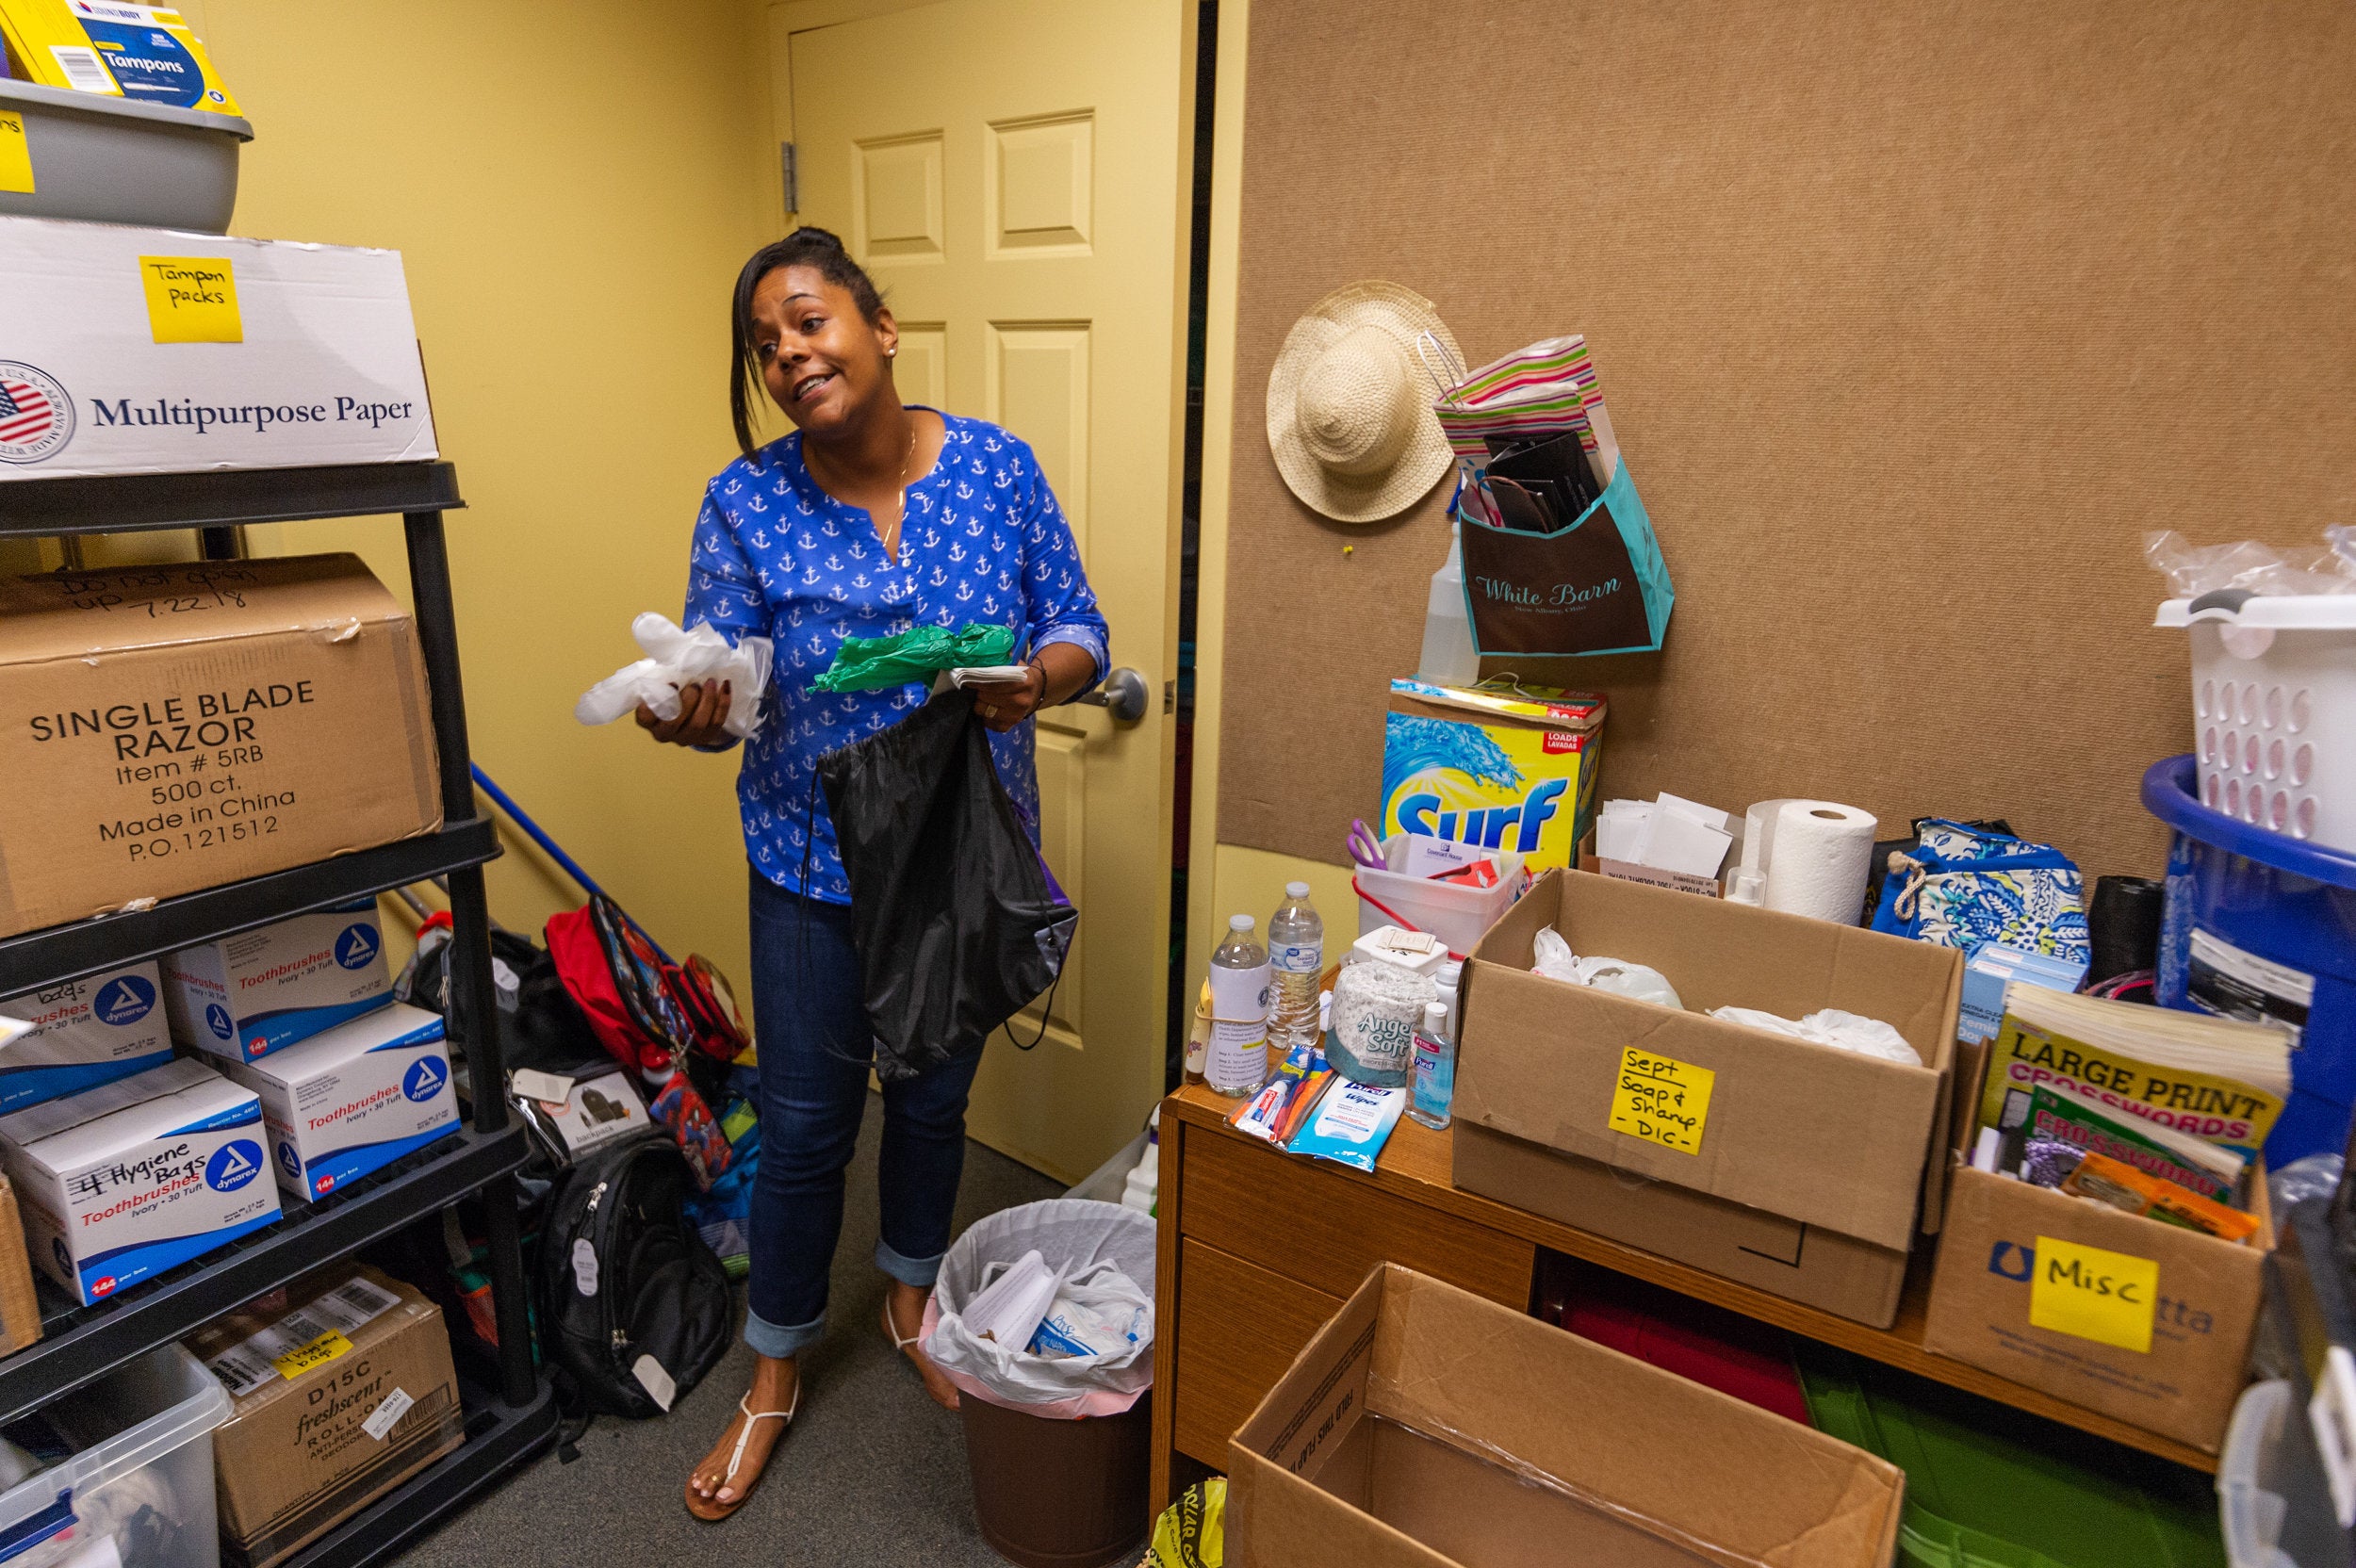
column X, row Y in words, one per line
column 891, row 541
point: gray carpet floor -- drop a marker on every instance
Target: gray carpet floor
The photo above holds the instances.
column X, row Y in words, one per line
column 872, row 1472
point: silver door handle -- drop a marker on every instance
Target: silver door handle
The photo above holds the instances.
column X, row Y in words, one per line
column 1124, row 694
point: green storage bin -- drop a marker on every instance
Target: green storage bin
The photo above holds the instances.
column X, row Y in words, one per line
column 1988, row 1486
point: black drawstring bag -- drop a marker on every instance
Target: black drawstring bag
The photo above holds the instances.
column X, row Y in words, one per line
column 959, row 925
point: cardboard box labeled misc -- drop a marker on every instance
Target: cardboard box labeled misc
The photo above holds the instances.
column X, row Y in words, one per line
column 1424, row 1425
column 2147, row 1322
column 247, row 995
column 354, row 1098
column 165, row 729
column 137, row 1176
column 1788, row 1165
column 128, row 351
column 1501, row 766
column 83, row 1033
column 340, row 1394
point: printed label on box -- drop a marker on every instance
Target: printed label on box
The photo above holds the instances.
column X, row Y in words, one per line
column 277, row 1351
column 16, row 156
column 1661, row 1100
column 2090, row 1293
column 191, row 298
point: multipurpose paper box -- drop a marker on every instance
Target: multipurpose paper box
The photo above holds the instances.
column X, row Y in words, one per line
column 145, row 54
column 134, row 1177
column 340, row 1394
column 1792, row 1167
column 1424, row 1425
column 128, row 351
column 246, row 995
column 165, row 729
column 1501, row 766
column 354, row 1098
column 84, row 1032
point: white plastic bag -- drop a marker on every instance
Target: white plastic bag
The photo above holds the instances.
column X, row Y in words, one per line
column 673, row 658
column 1009, row 1307
column 1097, row 1312
column 1078, row 1238
column 1867, row 1036
column 1553, row 957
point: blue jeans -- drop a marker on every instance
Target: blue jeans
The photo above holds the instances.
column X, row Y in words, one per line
column 810, row 1023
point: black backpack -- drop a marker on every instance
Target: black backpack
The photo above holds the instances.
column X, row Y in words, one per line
column 624, row 1278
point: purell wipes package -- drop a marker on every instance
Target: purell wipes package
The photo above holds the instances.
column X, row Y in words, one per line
column 247, row 995
column 127, row 350
column 354, row 1098
column 128, row 1179
column 84, row 1032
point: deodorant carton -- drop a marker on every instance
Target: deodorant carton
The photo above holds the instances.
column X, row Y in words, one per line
column 84, row 1032
column 354, row 1098
column 247, row 995
column 125, row 1180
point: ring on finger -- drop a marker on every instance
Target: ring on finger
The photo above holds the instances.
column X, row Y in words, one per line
column 989, row 710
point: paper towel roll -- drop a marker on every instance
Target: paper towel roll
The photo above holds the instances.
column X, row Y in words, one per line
column 1759, row 834
column 1819, row 857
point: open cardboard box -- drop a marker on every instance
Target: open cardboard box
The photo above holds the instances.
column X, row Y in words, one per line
column 1808, row 1173
column 1426, row 1428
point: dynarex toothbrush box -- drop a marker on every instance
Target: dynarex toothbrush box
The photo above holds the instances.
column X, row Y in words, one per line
column 354, row 1098
column 128, row 1179
column 247, row 995
column 84, row 1032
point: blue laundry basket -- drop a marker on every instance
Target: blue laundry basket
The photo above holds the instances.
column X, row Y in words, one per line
column 2260, row 926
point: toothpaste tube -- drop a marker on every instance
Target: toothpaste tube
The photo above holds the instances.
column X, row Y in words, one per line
column 1351, row 1123
column 1261, row 1115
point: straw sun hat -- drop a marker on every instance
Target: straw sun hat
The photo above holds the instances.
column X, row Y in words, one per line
column 1349, row 415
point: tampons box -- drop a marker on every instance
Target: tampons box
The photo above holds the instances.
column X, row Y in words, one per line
column 84, row 1032
column 354, row 1099
column 128, row 1179
column 247, row 995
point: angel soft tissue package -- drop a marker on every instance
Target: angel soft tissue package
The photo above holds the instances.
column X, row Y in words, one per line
column 122, row 1182
column 247, row 995
column 354, row 1098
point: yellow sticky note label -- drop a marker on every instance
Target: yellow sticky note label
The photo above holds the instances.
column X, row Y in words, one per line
column 302, row 1358
column 2093, row 1294
column 1662, row 1100
column 16, row 154
column 191, row 298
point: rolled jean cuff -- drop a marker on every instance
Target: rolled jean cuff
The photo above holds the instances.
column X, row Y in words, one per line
column 917, row 1272
column 770, row 1339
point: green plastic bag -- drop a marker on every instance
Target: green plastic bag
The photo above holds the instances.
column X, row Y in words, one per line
column 1192, row 1531
column 877, row 664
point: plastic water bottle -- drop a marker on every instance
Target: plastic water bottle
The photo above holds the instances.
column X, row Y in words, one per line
column 1296, row 950
column 1435, row 1069
column 1448, row 656
column 1237, row 1060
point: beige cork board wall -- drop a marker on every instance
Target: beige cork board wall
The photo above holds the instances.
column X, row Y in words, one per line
column 1913, row 319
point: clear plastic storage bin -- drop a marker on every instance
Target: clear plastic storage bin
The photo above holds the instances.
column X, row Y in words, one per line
column 138, row 1490
column 2272, row 1496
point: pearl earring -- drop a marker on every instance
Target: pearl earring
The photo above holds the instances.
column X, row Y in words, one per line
column 891, row 353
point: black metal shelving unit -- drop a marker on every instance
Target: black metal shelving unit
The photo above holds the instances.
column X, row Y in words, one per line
column 513, row 1419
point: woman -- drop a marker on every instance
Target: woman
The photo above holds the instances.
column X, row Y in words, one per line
column 870, row 519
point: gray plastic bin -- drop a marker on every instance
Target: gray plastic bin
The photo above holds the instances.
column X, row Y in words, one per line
column 107, row 160
column 142, row 1477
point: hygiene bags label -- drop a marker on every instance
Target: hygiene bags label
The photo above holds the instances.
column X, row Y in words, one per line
column 2091, row 1293
column 1661, row 1100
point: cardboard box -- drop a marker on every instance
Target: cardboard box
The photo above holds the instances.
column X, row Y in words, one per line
column 247, row 995
column 1628, row 870
column 1425, row 1427
column 1505, row 767
column 150, row 350
column 354, row 1099
column 84, row 1032
column 165, row 729
column 136, row 1176
column 1790, row 1166
column 20, row 1310
column 337, row 1401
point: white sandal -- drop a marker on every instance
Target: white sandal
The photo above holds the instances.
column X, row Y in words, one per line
column 736, row 1458
column 894, row 1334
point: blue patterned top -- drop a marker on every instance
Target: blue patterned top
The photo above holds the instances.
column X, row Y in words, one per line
column 982, row 539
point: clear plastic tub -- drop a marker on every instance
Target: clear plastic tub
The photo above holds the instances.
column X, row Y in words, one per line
column 2271, row 1498
column 1457, row 914
column 142, row 1478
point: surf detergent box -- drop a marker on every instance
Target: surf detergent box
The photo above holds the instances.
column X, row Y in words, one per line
column 1498, row 765
column 247, row 995
column 354, row 1098
column 128, row 351
column 145, row 54
column 122, row 1182
column 83, row 1033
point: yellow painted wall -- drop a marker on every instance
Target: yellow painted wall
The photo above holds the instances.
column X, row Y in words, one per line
column 572, row 189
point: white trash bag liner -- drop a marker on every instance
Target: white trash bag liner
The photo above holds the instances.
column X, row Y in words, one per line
column 1072, row 1235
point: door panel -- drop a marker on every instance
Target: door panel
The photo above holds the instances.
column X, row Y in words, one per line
column 1012, row 173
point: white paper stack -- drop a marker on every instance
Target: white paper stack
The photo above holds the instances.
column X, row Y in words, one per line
column 1668, row 834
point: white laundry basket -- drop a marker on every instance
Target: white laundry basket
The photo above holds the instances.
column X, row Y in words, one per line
column 2274, row 709
column 139, row 1489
